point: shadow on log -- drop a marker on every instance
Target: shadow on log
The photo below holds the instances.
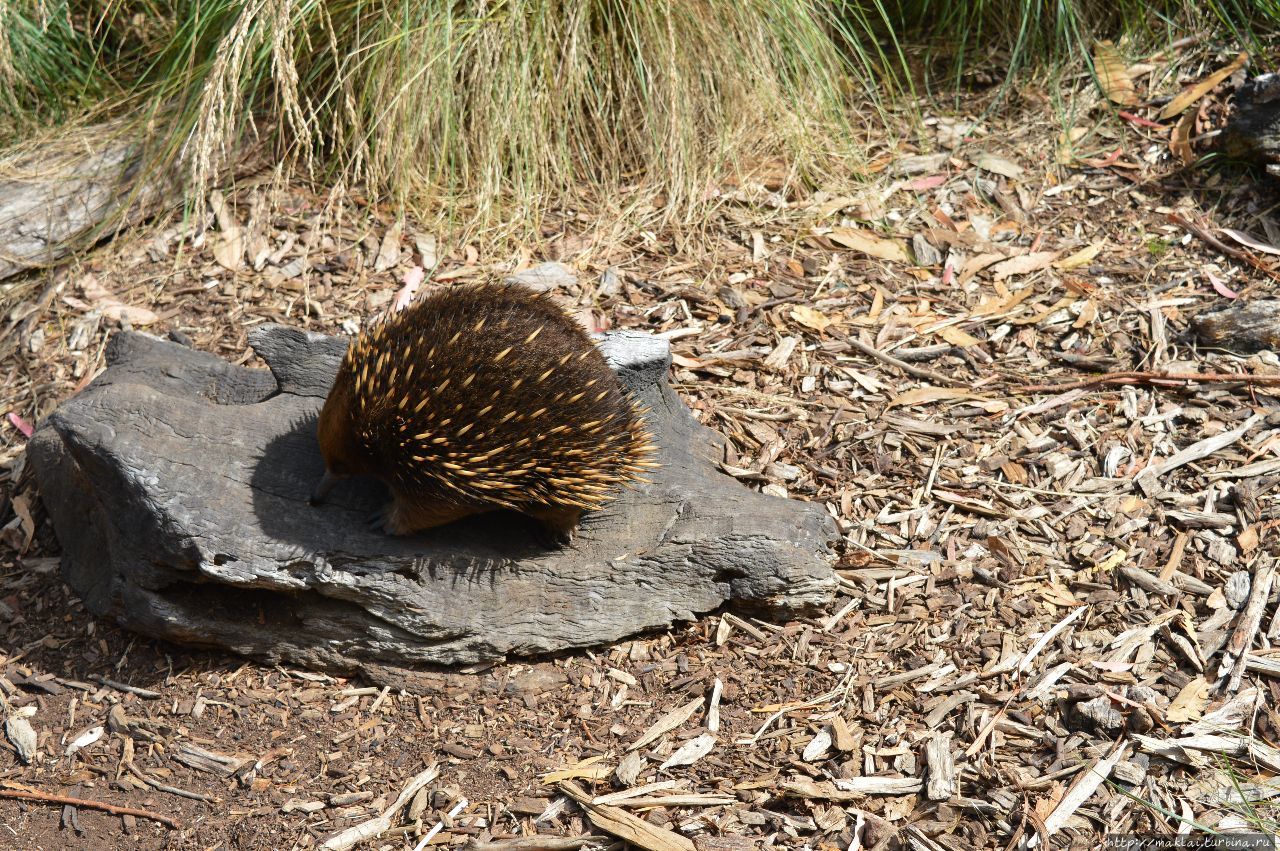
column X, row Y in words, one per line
column 177, row 484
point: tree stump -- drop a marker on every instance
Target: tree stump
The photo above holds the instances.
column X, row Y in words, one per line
column 177, row 484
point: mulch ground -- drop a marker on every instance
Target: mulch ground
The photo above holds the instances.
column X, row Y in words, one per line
column 1056, row 600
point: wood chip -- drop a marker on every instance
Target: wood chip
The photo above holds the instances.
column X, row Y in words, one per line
column 376, row 826
column 625, row 826
column 667, row 723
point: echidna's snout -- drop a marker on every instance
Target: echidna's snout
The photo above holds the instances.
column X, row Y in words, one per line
column 322, row 488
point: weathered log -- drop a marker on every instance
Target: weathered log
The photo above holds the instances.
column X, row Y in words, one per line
column 1253, row 130
column 177, row 485
column 65, row 192
column 1244, row 328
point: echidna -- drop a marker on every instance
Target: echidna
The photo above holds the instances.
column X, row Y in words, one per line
column 482, row 397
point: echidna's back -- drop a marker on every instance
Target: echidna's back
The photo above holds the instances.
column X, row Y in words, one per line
column 491, row 394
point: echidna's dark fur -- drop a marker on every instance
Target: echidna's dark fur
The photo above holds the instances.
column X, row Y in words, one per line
column 481, row 397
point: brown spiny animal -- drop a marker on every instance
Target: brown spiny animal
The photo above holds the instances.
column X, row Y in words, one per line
column 477, row 398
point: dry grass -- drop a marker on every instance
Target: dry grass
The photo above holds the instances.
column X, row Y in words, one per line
column 494, row 108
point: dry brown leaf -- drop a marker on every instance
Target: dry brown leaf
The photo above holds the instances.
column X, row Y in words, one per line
column 1065, row 153
column 976, row 264
column 1250, row 241
column 835, row 205
column 1083, row 257
column 998, row 165
column 927, row 395
column 1024, row 264
column 1190, row 703
column 1002, row 303
column 1180, row 139
column 1088, row 313
column 869, row 243
column 112, row 307
column 228, row 248
column 877, row 305
column 388, row 249
column 26, row 530
column 685, row 361
column 958, row 337
column 1113, row 76
column 810, row 317
column 1045, row 313
column 1187, row 97
column 1058, row 594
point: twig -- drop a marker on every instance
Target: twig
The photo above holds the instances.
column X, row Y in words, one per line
column 1219, row 245
column 1151, row 378
column 1233, row 655
column 537, row 843
column 172, row 790
column 118, row 686
column 910, row 369
column 46, row 798
column 431, row 834
column 1196, row 451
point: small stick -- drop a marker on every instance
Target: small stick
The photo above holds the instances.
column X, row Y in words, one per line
column 1219, row 245
column 453, row 813
column 910, row 369
column 380, row 824
column 1151, row 378
column 45, row 798
column 537, row 843
column 172, row 790
column 1233, row 656
column 125, row 687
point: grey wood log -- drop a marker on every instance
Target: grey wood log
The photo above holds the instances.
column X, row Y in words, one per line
column 1253, row 326
column 177, row 484
column 51, row 201
column 1253, row 130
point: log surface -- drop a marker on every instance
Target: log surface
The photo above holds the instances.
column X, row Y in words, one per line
column 1253, row 130
column 1253, row 326
column 177, row 484
column 52, row 201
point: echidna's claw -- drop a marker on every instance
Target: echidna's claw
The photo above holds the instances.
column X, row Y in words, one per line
column 388, row 520
column 553, row 538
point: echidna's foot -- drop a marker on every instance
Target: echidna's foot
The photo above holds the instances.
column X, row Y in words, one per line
column 556, row 524
column 401, row 517
column 390, row 520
